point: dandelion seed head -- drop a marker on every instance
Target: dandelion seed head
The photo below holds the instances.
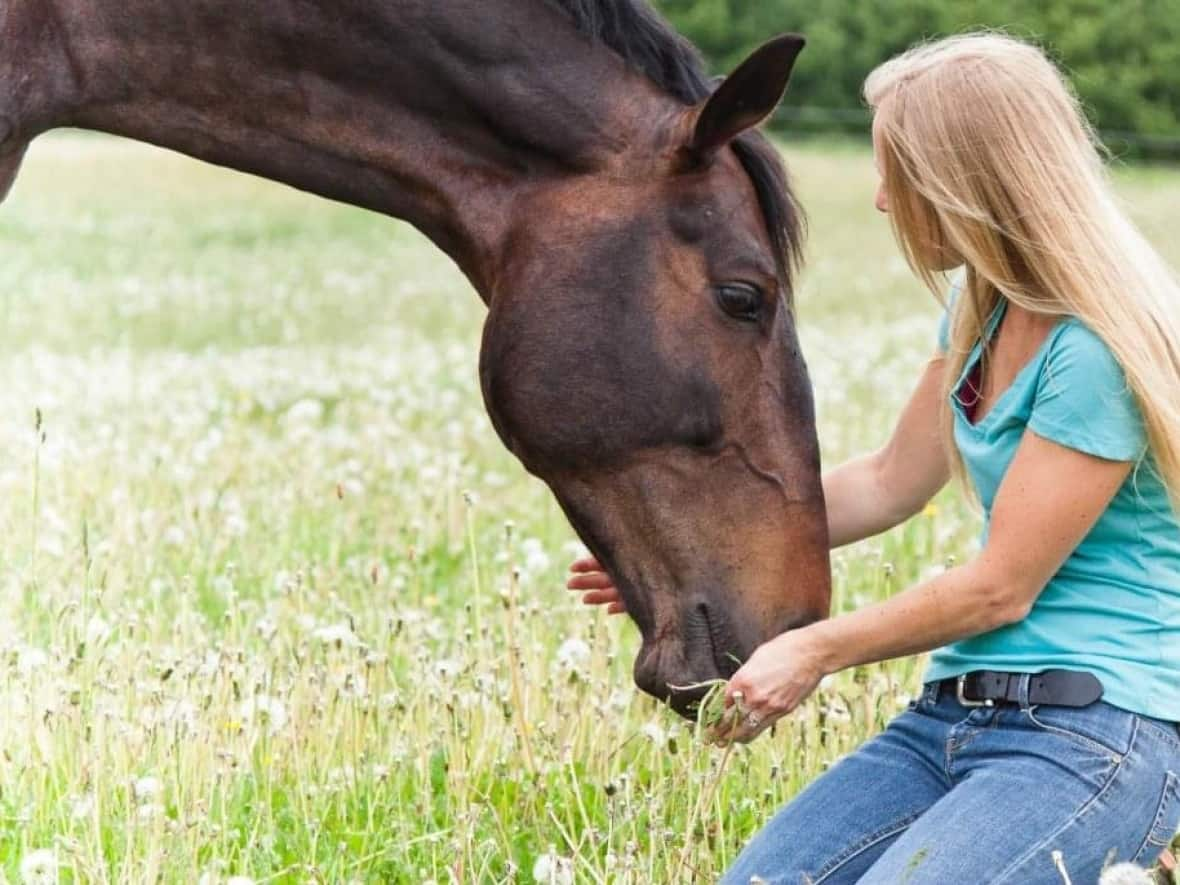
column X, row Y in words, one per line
column 1125, row 874
column 39, row 867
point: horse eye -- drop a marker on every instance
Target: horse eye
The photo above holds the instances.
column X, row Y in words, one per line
column 741, row 301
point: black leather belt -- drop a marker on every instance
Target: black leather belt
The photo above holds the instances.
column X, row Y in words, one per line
column 986, row 688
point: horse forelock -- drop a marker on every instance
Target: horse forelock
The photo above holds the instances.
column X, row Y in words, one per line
column 636, row 32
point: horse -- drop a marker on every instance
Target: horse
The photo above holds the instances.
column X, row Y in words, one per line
column 633, row 236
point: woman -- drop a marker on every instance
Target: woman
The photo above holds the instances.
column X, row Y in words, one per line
column 1047, row 721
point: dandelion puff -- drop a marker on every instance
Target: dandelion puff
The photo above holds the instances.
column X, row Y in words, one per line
column 336, row 634
column 30, row 659
column 82, row 806
column 265, row 711
column 551, row 869
column 1125, row 874
column 536, row 560
column 447, row 668
column 146, row 788
column 39, row 867
column 573, row 655
column 654, row 733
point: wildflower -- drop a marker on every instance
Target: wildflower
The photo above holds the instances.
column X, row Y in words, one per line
column 146, row 788
column 1125, row 874
column 97, row 630
column 39, row 867
column 930, row 511
column 264, row 710
column 573, row 654
column 82, row 807
column 31, row 659
column 654, row 733
column 536, row 560
column 551, row 869
column 305, row 411
column 447, row 668
column 336, row 634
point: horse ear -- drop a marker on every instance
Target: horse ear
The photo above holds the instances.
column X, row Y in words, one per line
column 746, row 97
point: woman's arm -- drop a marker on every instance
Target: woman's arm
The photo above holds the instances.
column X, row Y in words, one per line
column 876, row 492
column 1049, row 500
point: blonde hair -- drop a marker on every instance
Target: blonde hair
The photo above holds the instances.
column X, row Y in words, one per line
column 989, row 163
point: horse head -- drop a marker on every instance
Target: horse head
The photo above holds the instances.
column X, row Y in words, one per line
column 640, row 356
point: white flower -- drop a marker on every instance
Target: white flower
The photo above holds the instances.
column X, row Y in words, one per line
column 306, row 411
column 97, row 630
column 336, row 634
column 31, row 659
column 82, row 806
column 239, row 880
column 39, row 867
column 536, row 560
column 550, row 869
column 266, row 628
column 1125, row 874
column 265, row 711
column 654, row 733
column 573, row 654
column 447, row 668
column 146, row 788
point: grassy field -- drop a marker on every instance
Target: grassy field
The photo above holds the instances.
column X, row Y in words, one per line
column 276, row 604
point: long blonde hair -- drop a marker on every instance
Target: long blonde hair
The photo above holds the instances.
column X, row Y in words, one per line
column 989, row 163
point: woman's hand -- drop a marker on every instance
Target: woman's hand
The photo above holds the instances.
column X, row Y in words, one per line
column 596, row 586
column 777, row 678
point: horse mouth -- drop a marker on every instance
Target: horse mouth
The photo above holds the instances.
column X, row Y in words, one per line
column 710, row 644
column 720, row 640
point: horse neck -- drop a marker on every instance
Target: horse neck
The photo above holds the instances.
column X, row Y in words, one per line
column 442, row 114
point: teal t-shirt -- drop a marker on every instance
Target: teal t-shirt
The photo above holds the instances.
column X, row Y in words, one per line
column 1114, row 607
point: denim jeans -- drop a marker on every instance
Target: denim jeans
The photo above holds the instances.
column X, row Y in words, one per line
column 950, row 793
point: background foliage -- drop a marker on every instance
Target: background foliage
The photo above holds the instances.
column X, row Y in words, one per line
column 1124, row 58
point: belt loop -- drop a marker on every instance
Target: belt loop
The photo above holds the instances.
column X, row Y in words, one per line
column 1022, row 690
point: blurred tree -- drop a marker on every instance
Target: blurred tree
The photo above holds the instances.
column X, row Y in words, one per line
column 1124, row 58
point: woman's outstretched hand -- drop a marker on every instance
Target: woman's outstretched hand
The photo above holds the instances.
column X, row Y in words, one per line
column 591, row 580
column 777, row 678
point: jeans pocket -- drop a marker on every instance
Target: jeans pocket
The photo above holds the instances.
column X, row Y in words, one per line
column 1104, row 729
column 1166, row 822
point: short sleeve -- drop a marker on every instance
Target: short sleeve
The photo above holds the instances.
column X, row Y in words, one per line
column 1082, row 399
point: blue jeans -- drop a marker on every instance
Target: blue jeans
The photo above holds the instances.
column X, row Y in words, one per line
column 949, row 793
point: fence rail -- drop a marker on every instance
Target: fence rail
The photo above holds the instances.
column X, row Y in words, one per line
column 850, row 119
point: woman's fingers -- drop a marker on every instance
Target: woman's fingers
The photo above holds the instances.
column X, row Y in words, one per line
column 590, row 581
column 596, row 586
column 602, row 597
column 586, row 564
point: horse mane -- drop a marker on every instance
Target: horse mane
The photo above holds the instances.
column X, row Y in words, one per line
column 638, row 34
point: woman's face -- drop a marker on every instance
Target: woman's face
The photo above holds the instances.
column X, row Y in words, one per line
column 882, row 200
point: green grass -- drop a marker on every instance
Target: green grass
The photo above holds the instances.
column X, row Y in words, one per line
column 275, row 602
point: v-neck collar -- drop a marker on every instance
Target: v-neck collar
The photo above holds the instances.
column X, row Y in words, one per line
column 974, row 358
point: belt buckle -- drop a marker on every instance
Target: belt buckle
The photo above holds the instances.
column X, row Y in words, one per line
column 965, row 701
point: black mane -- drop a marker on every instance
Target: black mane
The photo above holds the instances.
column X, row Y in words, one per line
column 635, row 31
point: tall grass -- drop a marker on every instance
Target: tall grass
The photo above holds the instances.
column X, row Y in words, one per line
column 274, row 602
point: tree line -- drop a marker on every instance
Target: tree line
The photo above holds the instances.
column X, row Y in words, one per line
column 1123, row 57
